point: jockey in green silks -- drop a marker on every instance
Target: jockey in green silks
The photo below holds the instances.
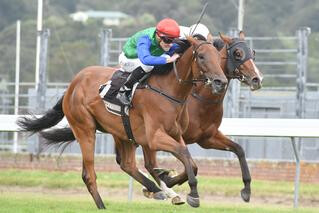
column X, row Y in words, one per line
column 146, row 49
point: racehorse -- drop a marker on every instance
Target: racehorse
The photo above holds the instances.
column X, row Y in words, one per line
column 237, row 63
column 157, row 120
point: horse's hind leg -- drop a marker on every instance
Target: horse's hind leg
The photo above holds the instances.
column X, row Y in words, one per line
column 126, row 158
column 86, row 139
column 221, row 142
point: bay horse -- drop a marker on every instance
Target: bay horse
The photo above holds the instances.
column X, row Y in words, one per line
column 237, row 63
column 157, row 121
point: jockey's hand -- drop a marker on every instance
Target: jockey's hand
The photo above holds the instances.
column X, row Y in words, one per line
column 173, row 58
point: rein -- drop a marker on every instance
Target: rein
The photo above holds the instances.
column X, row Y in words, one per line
column 181, row 102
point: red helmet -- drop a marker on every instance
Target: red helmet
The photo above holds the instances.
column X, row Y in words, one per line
column 168, row 27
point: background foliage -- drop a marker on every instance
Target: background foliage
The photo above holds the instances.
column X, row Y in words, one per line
column 73, row 45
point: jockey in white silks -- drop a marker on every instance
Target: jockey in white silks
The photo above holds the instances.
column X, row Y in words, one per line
column 199, row 30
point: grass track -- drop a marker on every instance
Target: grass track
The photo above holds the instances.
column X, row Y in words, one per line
column 31, row 202
column 228, row 186
column 56, row 191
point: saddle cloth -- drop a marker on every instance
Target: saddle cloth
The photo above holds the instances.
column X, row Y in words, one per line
column 109, row 90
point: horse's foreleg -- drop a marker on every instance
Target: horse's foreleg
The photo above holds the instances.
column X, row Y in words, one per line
column 162, row 141
column 150, row 164
column 126, row 154
column 86, row 140
column 178, row 179
column 221, row 142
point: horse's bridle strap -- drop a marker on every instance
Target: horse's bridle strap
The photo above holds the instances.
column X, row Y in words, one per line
column 193, row 80
column 181, row 81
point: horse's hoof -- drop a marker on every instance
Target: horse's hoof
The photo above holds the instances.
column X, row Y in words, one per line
column 245, row 194
column 193, row 201
column 160, row 195
column 177, row 200
column 147, row 193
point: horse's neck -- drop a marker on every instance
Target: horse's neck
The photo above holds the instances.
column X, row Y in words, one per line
column 169, row 83
column 209, row 108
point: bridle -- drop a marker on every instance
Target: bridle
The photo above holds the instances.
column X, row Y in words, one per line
column 232, row 71
column 205, row 80
column 233, row 63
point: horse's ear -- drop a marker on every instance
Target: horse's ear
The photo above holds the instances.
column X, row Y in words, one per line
column 192, row 41
column 210, row 38
column 241, row 35
column 225, row 38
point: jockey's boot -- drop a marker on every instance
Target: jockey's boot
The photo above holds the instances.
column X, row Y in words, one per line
column 125, row 90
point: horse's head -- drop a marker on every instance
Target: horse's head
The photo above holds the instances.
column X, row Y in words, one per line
column 206, row 62
column 240, row 61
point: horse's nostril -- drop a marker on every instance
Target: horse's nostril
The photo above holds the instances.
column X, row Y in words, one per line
column 256, row 80
column 218, row 82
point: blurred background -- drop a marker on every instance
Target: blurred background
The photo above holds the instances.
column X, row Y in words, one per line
column 42, row 47
column 78, row 33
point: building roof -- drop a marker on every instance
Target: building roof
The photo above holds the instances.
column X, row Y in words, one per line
column 104, row 14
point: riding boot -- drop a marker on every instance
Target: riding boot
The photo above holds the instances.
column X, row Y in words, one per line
column 125, row 90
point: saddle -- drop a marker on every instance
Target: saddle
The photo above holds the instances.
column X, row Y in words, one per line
column 109, row 90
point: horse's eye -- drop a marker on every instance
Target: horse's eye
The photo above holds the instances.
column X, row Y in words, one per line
column 238, row 55
column 254, row 53
column 201, row 56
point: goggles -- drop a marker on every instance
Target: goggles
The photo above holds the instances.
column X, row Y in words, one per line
column 167, row 40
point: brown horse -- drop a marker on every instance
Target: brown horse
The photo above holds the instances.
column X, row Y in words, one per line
column 237, row 63
column 157, row 121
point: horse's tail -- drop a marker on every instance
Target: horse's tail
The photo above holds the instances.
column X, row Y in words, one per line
column 35, row 124
column 58, row 137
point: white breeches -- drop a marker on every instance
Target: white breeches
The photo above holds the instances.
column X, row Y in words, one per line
column 130, row 64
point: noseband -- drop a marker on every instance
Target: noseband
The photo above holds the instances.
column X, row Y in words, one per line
column 181, row 81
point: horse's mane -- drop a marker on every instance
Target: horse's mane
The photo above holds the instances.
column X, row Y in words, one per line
column 183, row 45
column 162, row 69
column 218, row 44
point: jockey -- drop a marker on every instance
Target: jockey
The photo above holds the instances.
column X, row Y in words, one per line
column 145, row 49
column 199, row 31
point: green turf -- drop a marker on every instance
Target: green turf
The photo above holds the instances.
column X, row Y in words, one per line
column 35, row 202
column 227, row 186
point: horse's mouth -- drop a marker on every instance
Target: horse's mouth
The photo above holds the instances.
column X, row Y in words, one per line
column 218, row 85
